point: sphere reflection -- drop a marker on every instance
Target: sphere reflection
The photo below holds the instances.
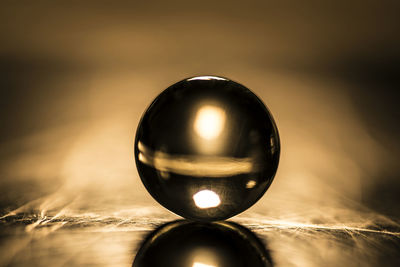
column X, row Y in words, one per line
column 207, row 148
column 195, row 244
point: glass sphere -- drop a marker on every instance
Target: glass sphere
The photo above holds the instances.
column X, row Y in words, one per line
column 207, row 148
column 196, row 244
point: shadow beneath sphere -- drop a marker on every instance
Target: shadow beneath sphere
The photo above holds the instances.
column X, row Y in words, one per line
column 197, row 244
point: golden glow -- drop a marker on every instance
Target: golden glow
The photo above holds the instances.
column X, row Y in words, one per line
column 199, row 264
column 209, row 122
column 205, row 199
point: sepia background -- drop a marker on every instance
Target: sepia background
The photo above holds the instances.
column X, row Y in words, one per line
column 76, row 77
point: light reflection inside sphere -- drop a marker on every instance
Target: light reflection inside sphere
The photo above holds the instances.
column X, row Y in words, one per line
column 210, row 121
column 205, row 199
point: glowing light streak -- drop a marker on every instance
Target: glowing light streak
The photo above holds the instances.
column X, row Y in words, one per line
column 198, row 166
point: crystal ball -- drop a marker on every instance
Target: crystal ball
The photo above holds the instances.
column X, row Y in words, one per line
column 207, row 148
column 200, row 244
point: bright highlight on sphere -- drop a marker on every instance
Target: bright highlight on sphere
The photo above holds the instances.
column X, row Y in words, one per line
column 209, row 122
column 205, row 199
